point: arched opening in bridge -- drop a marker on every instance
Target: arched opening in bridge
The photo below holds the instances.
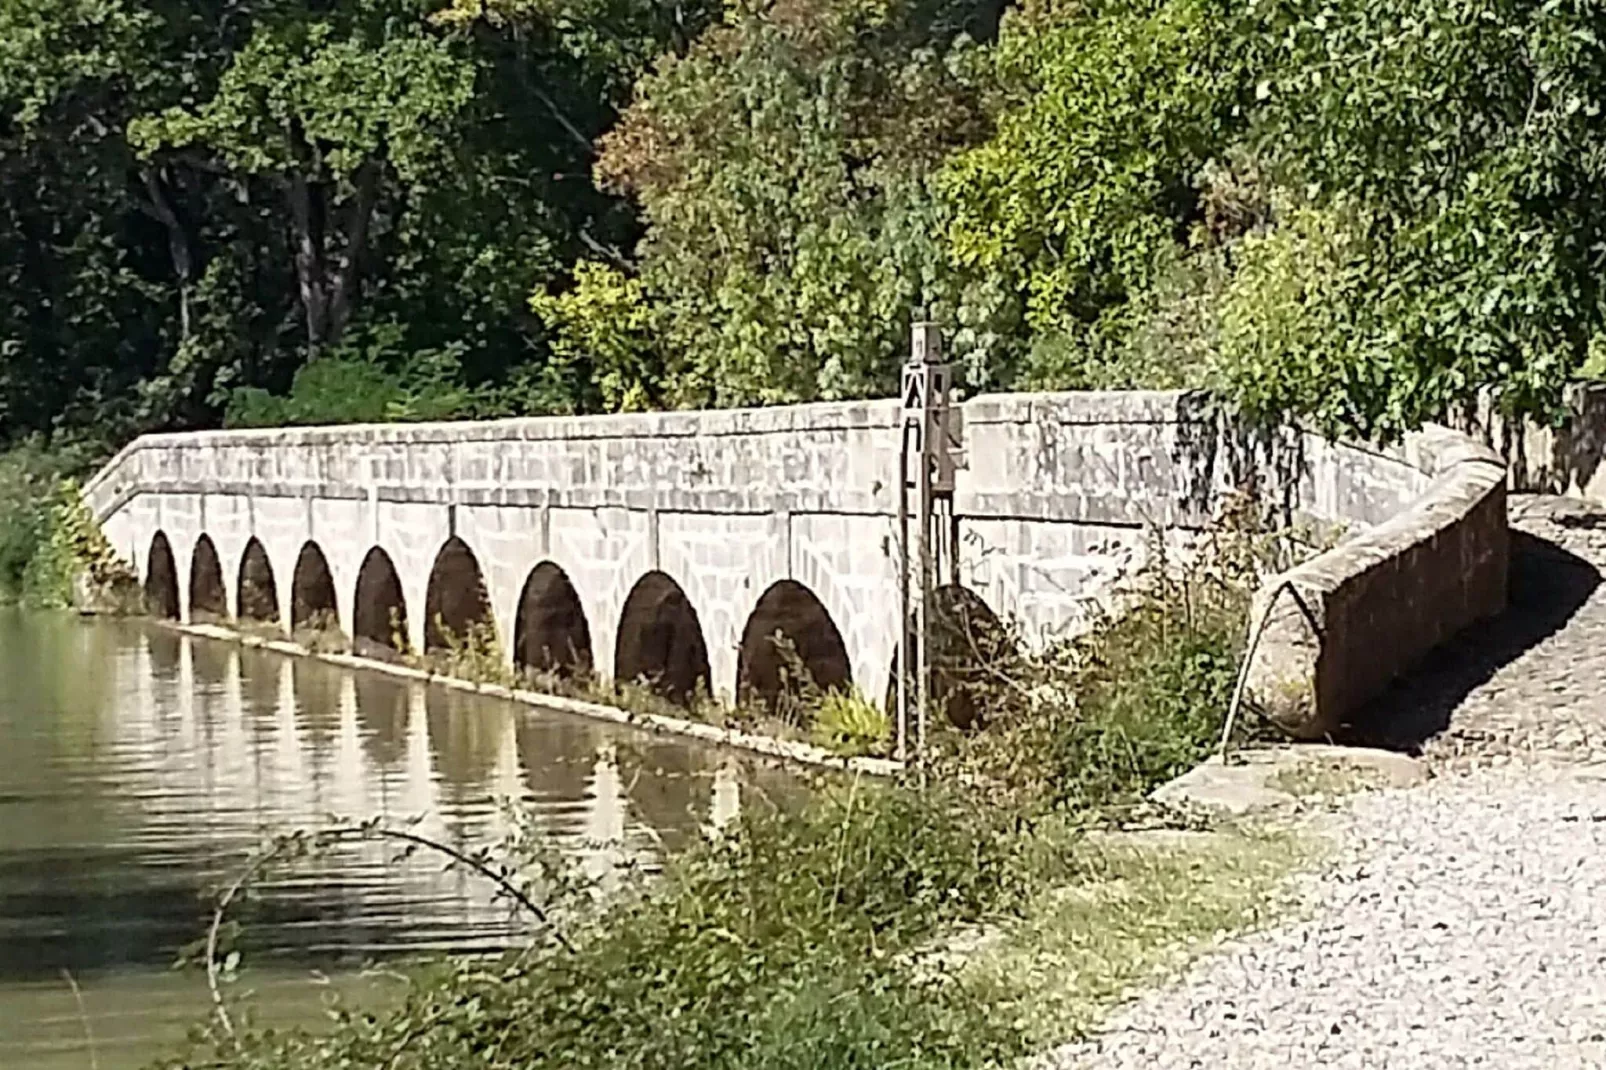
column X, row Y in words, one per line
column 970, row 650
column 457, row 609
column 660, row 641
column 791, row 652
column 379, row 617
column 207, row 595
column 550, row 633
column 312, row 592
column 259, row 594
column 161, row 579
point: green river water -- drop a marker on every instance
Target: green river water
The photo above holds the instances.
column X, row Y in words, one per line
column 139, row 768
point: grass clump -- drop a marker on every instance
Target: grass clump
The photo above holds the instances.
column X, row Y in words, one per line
column 474, row 654
column 848, row 723
column 1139, row 907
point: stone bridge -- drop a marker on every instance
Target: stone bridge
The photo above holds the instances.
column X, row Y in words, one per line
column 671, row 546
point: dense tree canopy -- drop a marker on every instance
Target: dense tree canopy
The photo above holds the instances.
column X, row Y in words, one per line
column 301, row 210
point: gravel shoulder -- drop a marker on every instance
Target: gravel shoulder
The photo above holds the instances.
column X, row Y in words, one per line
column 1460, row 923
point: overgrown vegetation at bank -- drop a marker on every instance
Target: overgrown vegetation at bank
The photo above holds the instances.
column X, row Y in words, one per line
column 958, row 920
column 52, row 553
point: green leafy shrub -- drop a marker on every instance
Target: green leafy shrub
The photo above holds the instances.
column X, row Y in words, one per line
column 75, row 565
column 1092, row 722
column 368, row 379
column 47, row 537
column 783, row 943
column 27, row 482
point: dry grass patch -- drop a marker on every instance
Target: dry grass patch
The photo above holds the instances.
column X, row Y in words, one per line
column 1145, row 907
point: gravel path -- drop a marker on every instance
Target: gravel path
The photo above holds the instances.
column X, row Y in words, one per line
column 1463, row 923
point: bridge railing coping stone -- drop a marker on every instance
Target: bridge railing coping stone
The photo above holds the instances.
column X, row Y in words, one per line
column 1343, row 625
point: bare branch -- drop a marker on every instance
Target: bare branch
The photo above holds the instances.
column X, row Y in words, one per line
column 161, row 208
column 362, row 832
column 83, row 1018
column 607, row 252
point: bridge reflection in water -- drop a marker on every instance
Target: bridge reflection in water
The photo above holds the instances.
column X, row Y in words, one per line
column 138, row 768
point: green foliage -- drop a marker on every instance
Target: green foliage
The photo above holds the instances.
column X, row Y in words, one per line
column 1455, row 149
column 28, row 483
column 1297, row 291
column 1120, row 193
column 849, row 723
column 46, row 535
column 603, row 327
column 1106, row 115
column 64, row 552
column 1093, row 721
column 780, row 169
column 368, row 379
column 783, row 942
column 47, row 46
column 196, row 202
column 330, row 390
column 475, row 654
column 323, row 99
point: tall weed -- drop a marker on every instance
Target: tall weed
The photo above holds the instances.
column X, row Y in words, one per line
column 781, row 943
column 1095, row 720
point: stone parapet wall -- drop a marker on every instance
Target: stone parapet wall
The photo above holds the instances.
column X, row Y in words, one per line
column 733, row 461
column 1340, row 627
column 1549, row 458
column 1056, row 498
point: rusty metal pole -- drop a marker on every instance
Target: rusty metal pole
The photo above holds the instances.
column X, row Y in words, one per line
column 901, row 752
column 926, row 471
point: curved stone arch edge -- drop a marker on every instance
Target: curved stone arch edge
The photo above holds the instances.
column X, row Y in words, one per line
column 231, row 558
column 654, row 724
column 1335, row 631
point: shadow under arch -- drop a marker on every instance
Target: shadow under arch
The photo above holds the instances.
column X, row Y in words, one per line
column 312, row 591
column 161, row 579
column 970, row 647
column 379, row 614
column 660, row 641
column 455, row 602
column 790, row 645
column 208, row 597
column 550, row 630
column 258, row 592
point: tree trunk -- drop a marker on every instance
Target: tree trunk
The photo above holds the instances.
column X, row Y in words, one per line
column 309, row 261
column 178, row 244
column 360, row 216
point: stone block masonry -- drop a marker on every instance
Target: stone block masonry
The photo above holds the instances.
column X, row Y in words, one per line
column 1340, row 627
column 676, row 544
